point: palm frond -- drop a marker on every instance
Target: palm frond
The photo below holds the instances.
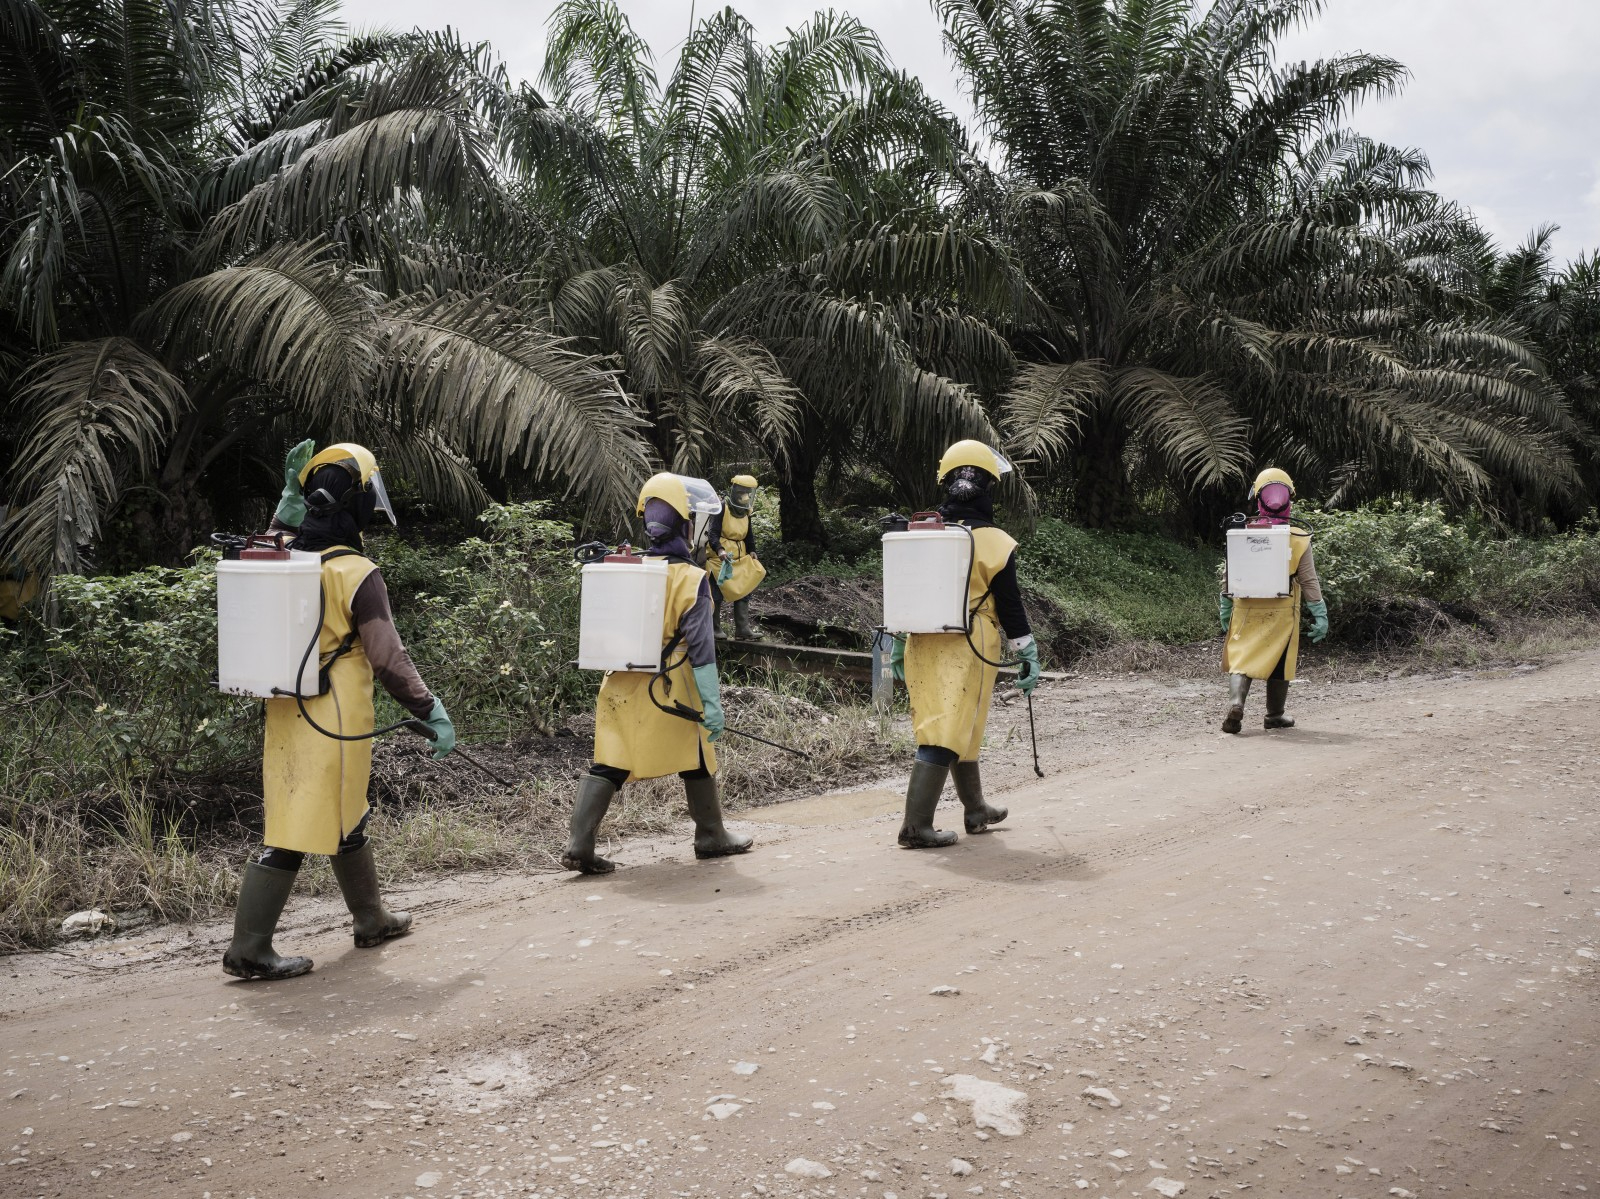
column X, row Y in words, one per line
column 294, row 319
column 92, row 411
column 1046, row 406
column 509, row 391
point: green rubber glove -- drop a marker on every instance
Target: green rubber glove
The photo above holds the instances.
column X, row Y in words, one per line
column 897, row 660
column 1318, row 611
column 1028, row 669
column 1225, row 611
column 292, row 504
column 705, row 679
column 726, row 572
column 444, row 732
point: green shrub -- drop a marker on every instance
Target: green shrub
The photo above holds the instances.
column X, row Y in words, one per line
column 492, row 622
column 1137, row 585
column 1407, row 550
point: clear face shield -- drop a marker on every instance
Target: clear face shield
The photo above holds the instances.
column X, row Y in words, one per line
column 380, row 495
column 741, row 497
column 704, row 503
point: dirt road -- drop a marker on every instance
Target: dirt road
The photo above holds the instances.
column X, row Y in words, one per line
column 1354, row 959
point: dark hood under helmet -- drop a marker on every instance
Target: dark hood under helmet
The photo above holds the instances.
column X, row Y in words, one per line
column 338, row 510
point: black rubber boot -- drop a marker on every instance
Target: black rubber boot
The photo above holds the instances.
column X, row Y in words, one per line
column 969, row 788
column 711, row 838
column 588, row 810
column 1277, row 700
column 262, row 894
column 743, row 627
column 1238, row 692
column 358, row 881
column 922, row 797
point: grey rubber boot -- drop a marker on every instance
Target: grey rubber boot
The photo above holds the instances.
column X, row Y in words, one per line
column 743, row 627
column 357, row 874
column 262, row 894
column 588, row 810
column 978, row 814
column 1238, row 692
column 711, row 838
column 1277, row 700
column 922, row 797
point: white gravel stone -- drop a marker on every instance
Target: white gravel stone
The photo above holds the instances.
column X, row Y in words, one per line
column 1167, row 1188
column 945, row 991
column 1103, row 1095
column 723, row 1110
column 745, row 1068
column 993, row 1106
column 429, row 1180
column 960, row 1168
column 804, row 1167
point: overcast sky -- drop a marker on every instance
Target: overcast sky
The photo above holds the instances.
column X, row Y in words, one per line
column 1504, row 96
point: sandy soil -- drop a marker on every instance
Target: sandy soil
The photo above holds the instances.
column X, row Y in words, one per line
column 1352, row 959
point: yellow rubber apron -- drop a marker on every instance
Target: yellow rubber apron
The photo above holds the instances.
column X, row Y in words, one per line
column 1265, row 631
column 315, row 788
column 950, row 686
column 630, row 732
column 747, row 569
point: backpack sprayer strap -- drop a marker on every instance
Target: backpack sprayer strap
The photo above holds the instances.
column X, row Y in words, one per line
column 347, row 642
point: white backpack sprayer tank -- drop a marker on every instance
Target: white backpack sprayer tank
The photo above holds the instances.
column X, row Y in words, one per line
column 622, row 612
column 1258, row 562
column 925, row 571
column 269, row 608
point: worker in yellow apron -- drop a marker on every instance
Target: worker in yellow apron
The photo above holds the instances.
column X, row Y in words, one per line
column 318, row 756
column 732, row 561
column 949, row 682
column 636, row 735
column 1262, row 636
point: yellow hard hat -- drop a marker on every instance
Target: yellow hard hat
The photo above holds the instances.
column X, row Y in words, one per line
column 1271, row 475
column 363, row 467
column 744, row 481
column 356, row 458
column 668, row 487
column 972, row 453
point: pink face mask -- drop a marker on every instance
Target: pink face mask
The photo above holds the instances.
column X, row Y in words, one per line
column 1273, row 503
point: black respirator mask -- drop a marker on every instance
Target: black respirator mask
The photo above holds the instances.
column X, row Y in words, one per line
column 967, row 483
column 334, row 490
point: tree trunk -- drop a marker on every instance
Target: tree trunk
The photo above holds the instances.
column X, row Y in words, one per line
column 1100, row 492
column 799, row 515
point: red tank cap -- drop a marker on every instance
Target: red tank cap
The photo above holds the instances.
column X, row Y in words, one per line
column 926, row 521
column 624, row 555
column 264, row 547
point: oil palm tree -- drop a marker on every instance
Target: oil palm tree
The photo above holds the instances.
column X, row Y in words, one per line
column 756, row 244
column 199, row 210
column 1232, row 275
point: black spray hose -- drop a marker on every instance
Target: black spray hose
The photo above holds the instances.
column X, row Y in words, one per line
column 684, row 712
column 410, row 724
column 972, row 559
column 299, row 699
